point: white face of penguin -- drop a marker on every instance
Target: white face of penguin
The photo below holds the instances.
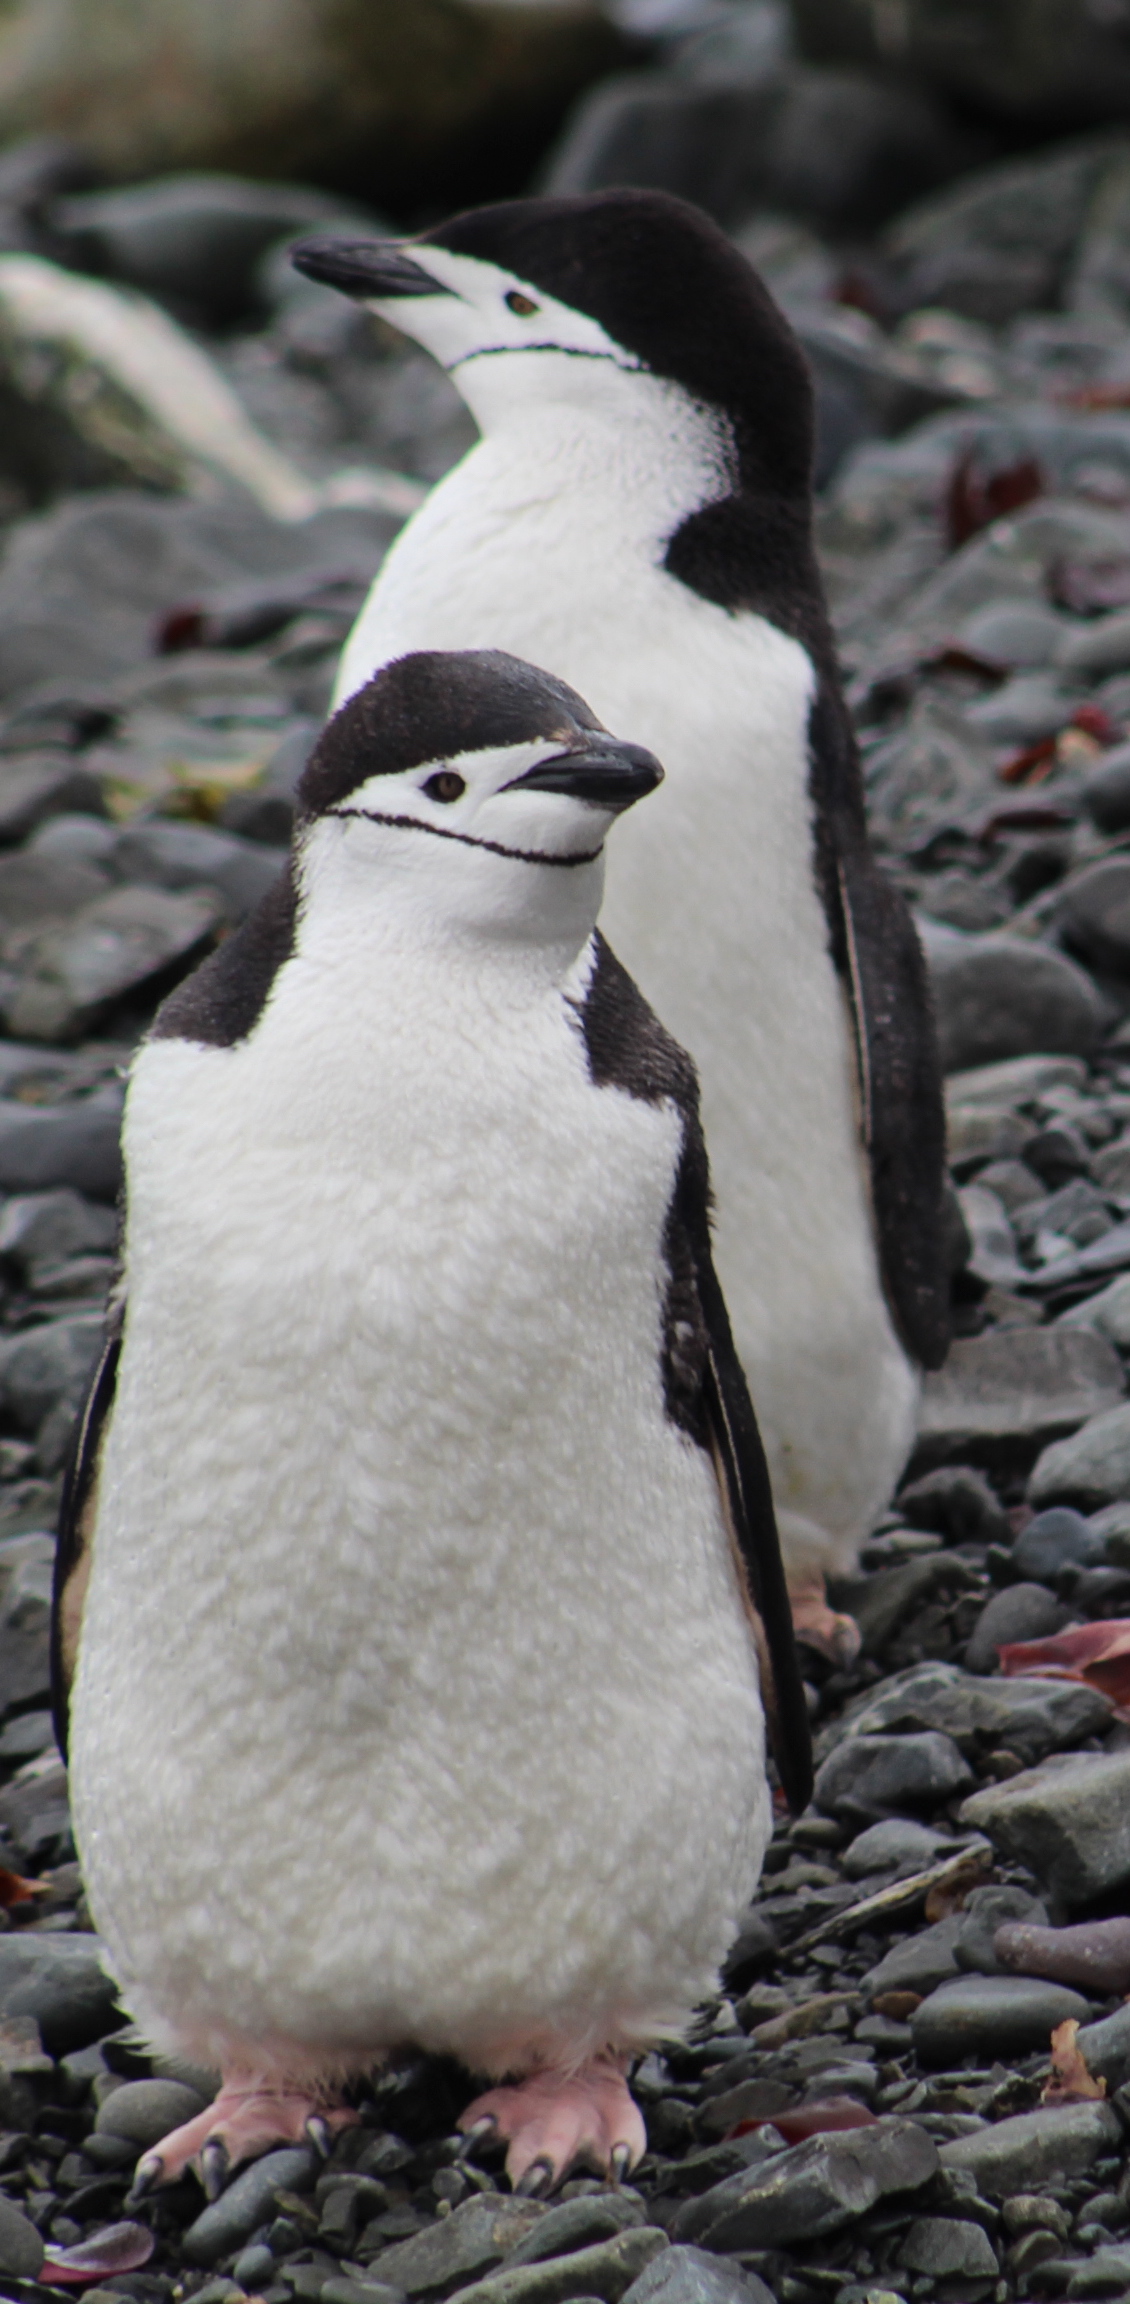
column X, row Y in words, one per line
column 504, row 842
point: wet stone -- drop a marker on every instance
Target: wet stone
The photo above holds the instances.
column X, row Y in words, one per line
column 986, row 1911
column 59, row 1980
column 227, row 2222
column 1053, row 1540
column 1057, row 2142
column 684, row 2275
column 575, row 2224
column 986, row 2016
column 1089, row 1469
column 143, row 2111
column 1020, row 1612
column 868, row 1777
column 21, row 2248
column 948, row 2248
column 1002, row 1395
column 814, row 2188
column 1068, row 1820
column 897, row 1843
column 607, row 2271
column 919, row 1962
column 464, row 2246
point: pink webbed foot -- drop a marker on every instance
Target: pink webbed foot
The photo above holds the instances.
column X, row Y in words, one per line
column 554, row 2119
column 248, row 2117
column 817, row 1625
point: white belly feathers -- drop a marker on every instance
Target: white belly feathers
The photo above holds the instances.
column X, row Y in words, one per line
column 389, row 1501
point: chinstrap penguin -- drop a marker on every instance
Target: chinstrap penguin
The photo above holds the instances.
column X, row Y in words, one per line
column 637, row 517
column 418, row 1591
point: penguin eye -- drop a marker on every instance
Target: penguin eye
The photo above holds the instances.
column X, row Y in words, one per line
column 445, row 785
column 523, row 305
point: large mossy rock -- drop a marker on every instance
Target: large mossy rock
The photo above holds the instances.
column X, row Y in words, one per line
column 399, row 99
column 1053, row 61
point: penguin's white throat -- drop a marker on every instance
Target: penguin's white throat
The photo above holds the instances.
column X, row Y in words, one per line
column 391, row 886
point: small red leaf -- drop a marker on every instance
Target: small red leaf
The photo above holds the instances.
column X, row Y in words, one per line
column 119, row 2248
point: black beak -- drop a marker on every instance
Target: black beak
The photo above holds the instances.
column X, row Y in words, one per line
column 369, row 268
column 609, row 775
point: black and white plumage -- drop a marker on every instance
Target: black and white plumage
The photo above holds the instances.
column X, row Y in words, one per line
column 637, row 516
column 419, row 1543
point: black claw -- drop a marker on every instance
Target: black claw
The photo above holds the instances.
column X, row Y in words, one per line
column 477, row 2133
column 146, row 2176
column 214, row 2166
column 537, row 2179
column 318, row 2134
column 621, row 2162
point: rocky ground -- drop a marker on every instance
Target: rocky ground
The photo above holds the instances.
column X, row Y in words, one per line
column 873, row 2110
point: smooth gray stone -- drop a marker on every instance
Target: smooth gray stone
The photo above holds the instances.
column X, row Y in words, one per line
column 1020, row 633
column 1088, row 1469
column 1106, row 2046
column 43, row 1146
column 986, row 1910
column 178, row 856
column 338, row 2289
column 195, row 237
column 606, row 2271
column 1058, row 1538
column 1020, row 1612
column 956, row 1501
column 1094, row 911
column 1107, row 2274
column 45, row 1366
column 1106, row 790
column 916, row 1963
column 1032, row 1717
column 21, row 2248
column 1028, row 707
column 1034, row 2148
column 35, row 888
column 997, row 997
column 1008, row 1392
column 34, row 786
column 576, row 2224
column 989, row 2016
column 463, row 2247
column 898, row 1840
column 868, row 1777
column 948, row 2248
column 1068, row 1820
column 143, row 2111
column 814, row 2188
column 49, row 1227
column 70, row 976
column 247, row 2203
column 59, row 1980
column 683, row 2275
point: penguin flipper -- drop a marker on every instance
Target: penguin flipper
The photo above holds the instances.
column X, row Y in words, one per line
column 76, row 1519
column 747, row 1499
column 904, row 1128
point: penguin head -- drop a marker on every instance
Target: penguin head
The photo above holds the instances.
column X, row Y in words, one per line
column 571, row 298
column 476, row 787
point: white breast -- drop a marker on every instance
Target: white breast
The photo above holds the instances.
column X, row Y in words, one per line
column 551, row 546
column 414, row 1700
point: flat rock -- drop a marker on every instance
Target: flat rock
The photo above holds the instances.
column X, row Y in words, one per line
column 1034, row 2148
column 60, row 1981
column 1005, row 1394
column 1107, row 2274
column 898, row 1842
column 1094, row 1953
column 1089, row 1469
column 868, row 1777
column 463, row 2247
column 956, row 1502
column 949, row 2248
column 1068, row 1820
column 21, row 2248
column 46, row 1146
column 814, row 2188
column 986, row 2016
column 143, row 2111
column 685, row 2275
column 1031, row 1717
column 606, row 2271
column 45, row 1366
column 227, row 2222
column 1109, row 1310
column 1059, row 1538
column 917, row 1963
column 997, row 997
column 1020, row 1612
column 71, row 976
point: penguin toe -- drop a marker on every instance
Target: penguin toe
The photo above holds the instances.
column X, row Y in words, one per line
column 246, row 2119
column 552, row 2120
column 816, row 1625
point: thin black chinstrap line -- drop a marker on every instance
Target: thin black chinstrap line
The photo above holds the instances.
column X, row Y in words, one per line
column 465, row 839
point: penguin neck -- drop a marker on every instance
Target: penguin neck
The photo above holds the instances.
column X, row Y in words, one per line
column 601, row 437
column 488, row 927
